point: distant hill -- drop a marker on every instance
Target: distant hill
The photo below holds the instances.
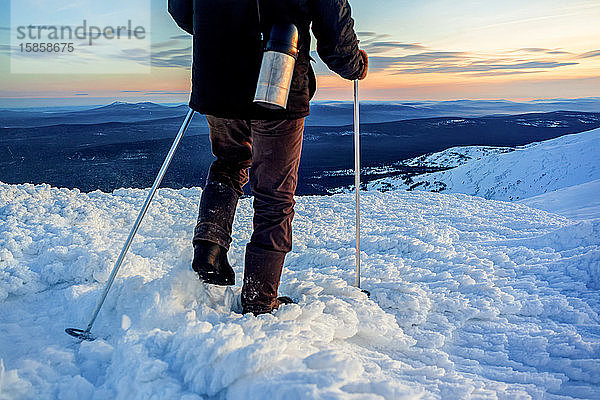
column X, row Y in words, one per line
column 111, row 155
column 527, row 171
column 334, row 113
column 115, row 112
column 323, row 113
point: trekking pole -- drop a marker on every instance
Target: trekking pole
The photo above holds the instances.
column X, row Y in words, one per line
column 86, row 334
column 357, row 178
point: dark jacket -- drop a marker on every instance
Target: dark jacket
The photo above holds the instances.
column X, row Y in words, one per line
column 228, row 51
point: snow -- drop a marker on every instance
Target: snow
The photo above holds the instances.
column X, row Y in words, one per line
column 449, row 158
column 526, row 172
column 454, row 156
column 471, row 298
column 576, row 202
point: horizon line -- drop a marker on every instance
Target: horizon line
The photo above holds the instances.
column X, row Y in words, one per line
column 179, row 103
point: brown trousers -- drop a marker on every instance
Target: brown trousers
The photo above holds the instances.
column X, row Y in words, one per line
column 266, row 153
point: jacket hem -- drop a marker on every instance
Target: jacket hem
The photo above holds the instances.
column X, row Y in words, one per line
column 248, row 114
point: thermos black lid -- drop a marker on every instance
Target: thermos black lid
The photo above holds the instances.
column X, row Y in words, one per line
column 283, row 39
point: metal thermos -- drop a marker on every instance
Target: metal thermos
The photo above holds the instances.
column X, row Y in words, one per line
column 277, row 68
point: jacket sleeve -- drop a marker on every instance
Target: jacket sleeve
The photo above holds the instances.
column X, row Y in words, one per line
column 182, row 12
column 337, row 43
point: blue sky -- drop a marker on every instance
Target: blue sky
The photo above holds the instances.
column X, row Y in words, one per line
column 419, row 50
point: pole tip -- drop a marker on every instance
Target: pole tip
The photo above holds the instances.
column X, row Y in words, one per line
column 80, row 334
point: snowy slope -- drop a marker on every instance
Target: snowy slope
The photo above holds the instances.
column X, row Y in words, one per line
column 471, row 298
column 449, row 158
column 528, row 171
column 575, row 202
column 455, row 156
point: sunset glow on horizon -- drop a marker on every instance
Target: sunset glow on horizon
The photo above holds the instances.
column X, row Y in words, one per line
column 434, row 50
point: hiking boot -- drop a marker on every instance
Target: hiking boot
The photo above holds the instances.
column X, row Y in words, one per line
column 278, row 302
column 211, row 264
column 262, row 273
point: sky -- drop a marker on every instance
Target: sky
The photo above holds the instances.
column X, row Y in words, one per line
column 419, row 50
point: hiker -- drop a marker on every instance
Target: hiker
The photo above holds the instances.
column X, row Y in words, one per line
column 252, row 142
